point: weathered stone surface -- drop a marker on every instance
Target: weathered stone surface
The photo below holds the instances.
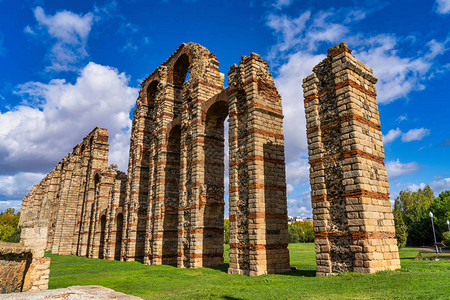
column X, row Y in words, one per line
column 170, row 206
column 353, row 220
column 22, row 268
column 72, row 293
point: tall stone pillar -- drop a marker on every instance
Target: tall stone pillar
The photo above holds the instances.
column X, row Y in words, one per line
column 258, row 205
column 353, row 221
column 204, row 82
column 136, row 205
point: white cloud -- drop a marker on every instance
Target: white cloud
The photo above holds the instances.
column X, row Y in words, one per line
column 415, row 187
column 289, row 28
column 392, row 135
column 443, row 6
column 279, row 4
column 297, row 171
column 439, row 186
column 5, row 204
column 402, row 118
column 14, row 186
column 36, row 136
column 397, row 76
column 415, row 134
column 300, row 206
column 289, row 84
column 396, row 168
column 68, row 32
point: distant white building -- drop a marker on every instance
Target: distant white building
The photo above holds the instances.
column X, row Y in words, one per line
column 299, row 219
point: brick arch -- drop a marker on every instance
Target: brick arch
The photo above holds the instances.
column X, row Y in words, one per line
column 175, row 122
column 103, row 213
column 221, row 97
column 119, row 210
column 181, row 62
column 150, row 92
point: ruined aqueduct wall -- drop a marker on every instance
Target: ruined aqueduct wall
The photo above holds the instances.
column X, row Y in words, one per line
column 170, row 206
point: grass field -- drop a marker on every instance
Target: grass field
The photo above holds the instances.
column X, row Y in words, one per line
column 416, row 279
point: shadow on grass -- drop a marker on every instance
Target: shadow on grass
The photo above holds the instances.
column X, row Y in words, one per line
column 231, row 298
column 222, row 268
column 299, row 273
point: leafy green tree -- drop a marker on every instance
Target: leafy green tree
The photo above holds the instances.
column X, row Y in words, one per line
column 413, row 208
column 301, row 232
column 441, row 210
column 401, row 231
column 9, row 226
column 226, row 229
column 293, row 235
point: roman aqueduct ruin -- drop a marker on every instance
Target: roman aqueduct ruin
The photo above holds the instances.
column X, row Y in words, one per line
column 169, row 207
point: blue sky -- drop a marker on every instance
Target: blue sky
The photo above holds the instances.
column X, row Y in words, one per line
column 68, row 66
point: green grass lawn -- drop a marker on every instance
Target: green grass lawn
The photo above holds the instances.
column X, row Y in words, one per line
column 416, row 279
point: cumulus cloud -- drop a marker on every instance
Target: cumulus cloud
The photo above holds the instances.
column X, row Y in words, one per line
column 300, row 205
column 297, row 171
column 396, row 168
column 443, row 6
column 402, row 118
column 439, row 186
column 415, row 134
column 68, row 33
column 397, row 76
column 289, row 84
column 392, row 135
column 13, row 187
column 58, row 114
column 5, row 204
column 279, row 4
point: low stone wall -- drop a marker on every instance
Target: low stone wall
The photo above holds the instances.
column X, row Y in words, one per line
column 22, row 269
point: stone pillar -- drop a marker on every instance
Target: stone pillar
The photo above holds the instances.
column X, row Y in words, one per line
column 97, row 141
column 353, row 221
column 204, row 82
column 136, row 205
column 258, row 205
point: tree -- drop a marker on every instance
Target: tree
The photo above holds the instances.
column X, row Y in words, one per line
column 226, row 233
column 9, row 226
column 441, row 210
column 301, row 232
column 401, row 231
column 411, row 210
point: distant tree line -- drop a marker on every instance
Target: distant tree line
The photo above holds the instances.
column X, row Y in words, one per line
column 9, row 226
column 301, row 232
column 412, row 220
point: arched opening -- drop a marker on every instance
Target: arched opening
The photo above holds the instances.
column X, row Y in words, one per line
column 119, row 230
column 171, row 197
column 91, row 218
column 180, row 70
column 213, row 216
column 101, row 248
column 82, row 149
column 151, row 93
column 180, row 74
column 91, row 142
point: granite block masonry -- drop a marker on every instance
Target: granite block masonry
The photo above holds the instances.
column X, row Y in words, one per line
column 353, row 221
column 170, row 207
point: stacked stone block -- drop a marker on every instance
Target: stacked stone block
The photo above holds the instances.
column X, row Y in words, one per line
column 70, row 203
column 171, row 208
column 258, row 206
column 353, row 221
